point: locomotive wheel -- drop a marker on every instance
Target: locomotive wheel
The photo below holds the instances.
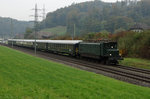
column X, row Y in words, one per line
column 103, row 62
column 107, row 62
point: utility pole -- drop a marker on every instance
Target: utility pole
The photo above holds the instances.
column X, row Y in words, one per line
column 74, row 30
column 12, row 31
column 35, row 26
column 2, row 37
column 44, row 13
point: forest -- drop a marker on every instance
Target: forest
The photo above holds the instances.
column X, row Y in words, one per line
column 96, row 16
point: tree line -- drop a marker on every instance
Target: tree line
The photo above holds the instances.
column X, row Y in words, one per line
column 97, row 16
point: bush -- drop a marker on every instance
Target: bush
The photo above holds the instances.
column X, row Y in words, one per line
column 134, row 44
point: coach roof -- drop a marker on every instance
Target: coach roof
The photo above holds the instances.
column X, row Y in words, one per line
column 48, row 41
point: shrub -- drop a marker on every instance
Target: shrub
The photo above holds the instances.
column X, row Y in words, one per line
column 134, row 44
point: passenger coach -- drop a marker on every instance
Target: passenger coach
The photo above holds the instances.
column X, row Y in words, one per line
column 57, row 46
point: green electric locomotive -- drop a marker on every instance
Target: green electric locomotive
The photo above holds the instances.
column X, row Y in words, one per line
column 106, row 52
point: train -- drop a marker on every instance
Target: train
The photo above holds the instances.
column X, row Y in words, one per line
column 103, row 51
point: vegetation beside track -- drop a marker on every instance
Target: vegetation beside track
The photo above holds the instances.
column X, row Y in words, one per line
column 26, row 76
column 136, row 62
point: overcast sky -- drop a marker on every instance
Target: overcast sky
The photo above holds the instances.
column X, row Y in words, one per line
column 21, row 9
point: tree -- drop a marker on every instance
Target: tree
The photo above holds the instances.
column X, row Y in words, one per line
column 27, row 33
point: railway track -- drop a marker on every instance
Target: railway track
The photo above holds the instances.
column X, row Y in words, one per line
column 124, row 73
column 134, row 69
column 134, row 73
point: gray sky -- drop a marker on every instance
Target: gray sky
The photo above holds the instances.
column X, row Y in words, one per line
column 21, row 9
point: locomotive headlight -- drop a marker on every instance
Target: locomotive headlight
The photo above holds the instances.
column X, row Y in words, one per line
column 112, row 47
column 110, row 54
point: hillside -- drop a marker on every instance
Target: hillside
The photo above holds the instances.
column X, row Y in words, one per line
column 47, row 33
column 29, row 77
column 53, row 32
column 96, row 16
column 19, row 27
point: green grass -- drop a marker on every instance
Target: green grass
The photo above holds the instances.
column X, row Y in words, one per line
column 27, row 77
column 59, row 30
column 136, row 62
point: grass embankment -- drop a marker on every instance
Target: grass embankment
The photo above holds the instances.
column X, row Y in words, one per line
column 136, row 62
column 25, row 76
column 59, row 30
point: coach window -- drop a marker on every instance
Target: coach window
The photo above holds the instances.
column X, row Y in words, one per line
column 54, row 45
column 61, row 46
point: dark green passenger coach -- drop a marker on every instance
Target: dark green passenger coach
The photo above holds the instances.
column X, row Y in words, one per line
column 62, row 48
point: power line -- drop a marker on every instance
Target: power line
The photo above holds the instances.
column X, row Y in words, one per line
column 36, row 16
